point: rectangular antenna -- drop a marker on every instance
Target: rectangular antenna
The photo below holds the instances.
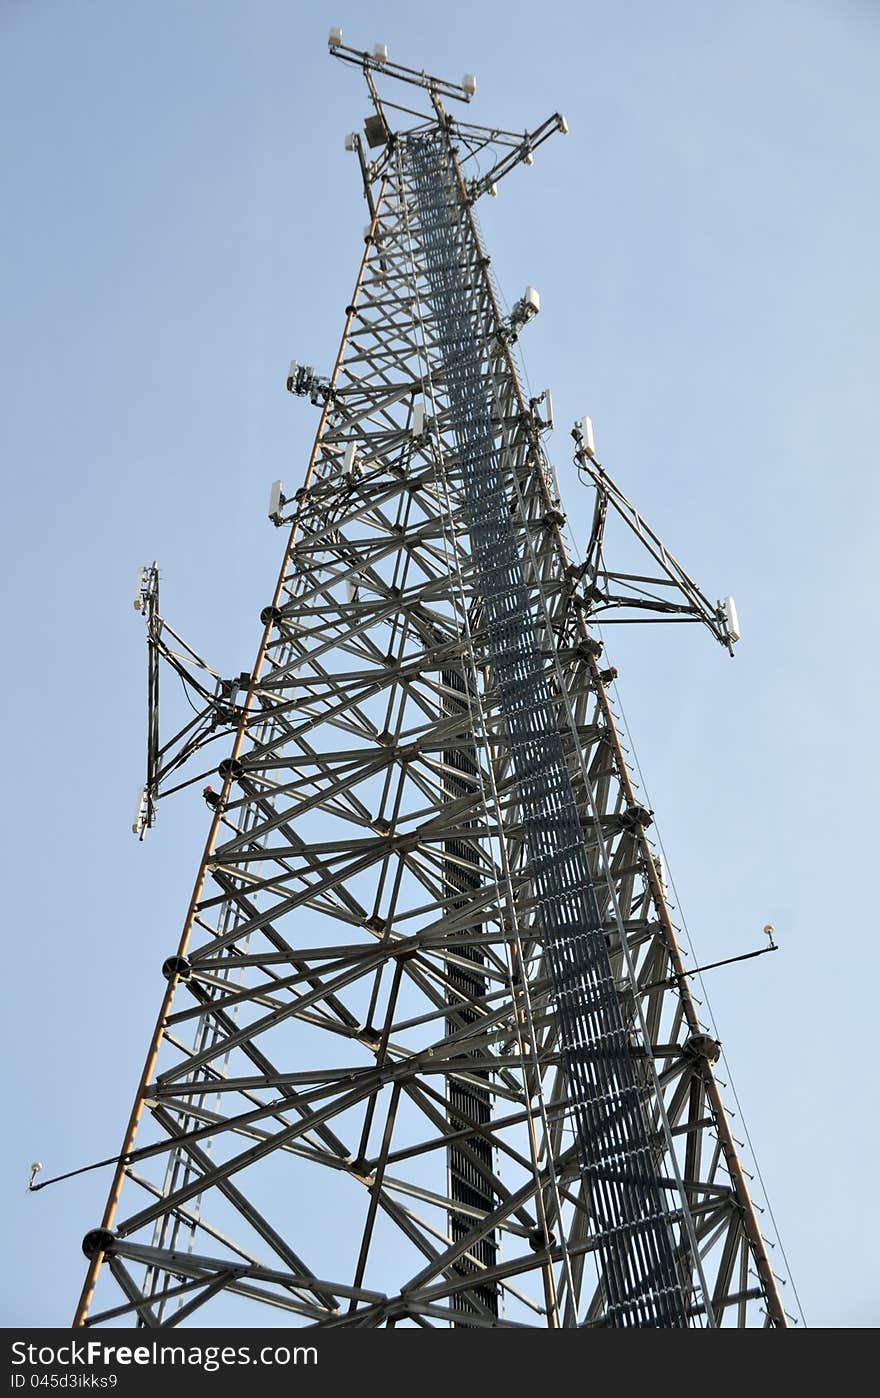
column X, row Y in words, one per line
column 276, row 500
column 587, row 440
column 731, row 618
column 139, row 587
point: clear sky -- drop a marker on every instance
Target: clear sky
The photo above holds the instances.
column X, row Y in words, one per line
column 179, row 219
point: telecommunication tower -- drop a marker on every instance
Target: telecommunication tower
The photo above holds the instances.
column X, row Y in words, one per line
column 427, row 1053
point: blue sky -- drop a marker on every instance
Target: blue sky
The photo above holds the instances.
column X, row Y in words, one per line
column 179, row 220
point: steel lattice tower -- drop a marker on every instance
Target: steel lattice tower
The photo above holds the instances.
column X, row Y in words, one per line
column 427, row 1053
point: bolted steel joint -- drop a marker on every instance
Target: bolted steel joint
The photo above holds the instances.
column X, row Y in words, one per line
column 98, row 1240
column 179, row 966
column 702, row 1048
column 539, row 1239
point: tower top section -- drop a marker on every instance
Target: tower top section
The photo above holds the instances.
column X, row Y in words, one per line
column 510, row 148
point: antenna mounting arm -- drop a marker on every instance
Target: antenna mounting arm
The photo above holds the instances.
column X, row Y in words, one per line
column 214, row 701
column 521, row 154
column 638, row 594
